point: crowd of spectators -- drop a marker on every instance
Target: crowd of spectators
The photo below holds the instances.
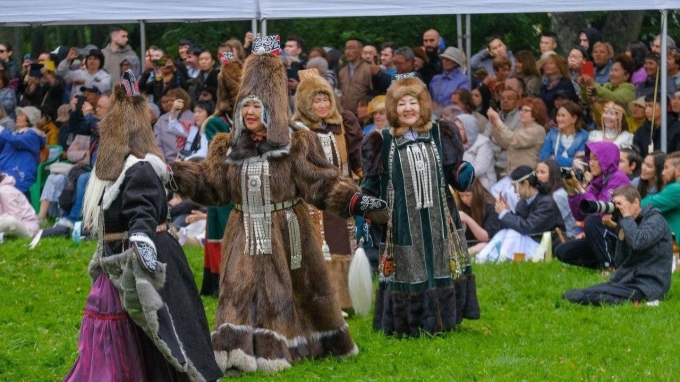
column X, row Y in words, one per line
column 592, row 109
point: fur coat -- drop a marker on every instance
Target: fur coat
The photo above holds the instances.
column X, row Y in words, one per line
column 289, row 314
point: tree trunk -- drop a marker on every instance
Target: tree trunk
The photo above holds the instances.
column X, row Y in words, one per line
column 567, row 27
column 621, row 27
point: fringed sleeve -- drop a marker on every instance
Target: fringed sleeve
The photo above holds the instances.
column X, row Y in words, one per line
column 206, row 182
column 319, row 181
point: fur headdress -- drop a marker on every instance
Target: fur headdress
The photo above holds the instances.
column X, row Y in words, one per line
column 125, row 130
column 227, row 87
column 264, row 78
column 307, row 89
column 414, row 87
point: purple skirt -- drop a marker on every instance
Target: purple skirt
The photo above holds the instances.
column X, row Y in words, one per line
column 109, row 347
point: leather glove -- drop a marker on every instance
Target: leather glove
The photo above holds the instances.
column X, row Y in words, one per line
column 461, row 175
column 372, row 209
column 145, row 250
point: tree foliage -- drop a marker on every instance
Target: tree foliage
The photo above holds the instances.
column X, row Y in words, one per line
column 519, row 31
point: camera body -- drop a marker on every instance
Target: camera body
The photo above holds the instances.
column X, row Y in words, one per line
column 565, row 173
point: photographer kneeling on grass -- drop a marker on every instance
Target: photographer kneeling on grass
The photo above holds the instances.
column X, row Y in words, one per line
column 596, row 250
column 644, row 255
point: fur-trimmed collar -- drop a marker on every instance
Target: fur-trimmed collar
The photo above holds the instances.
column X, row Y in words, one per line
column 246, row 148
column 112, row 189
column 333, row 128
column 399, row 131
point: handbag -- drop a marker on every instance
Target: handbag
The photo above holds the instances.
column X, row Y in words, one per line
column 79, row 150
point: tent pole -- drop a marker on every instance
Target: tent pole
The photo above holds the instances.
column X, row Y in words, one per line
column 468, row 43
column 664, row 79
column 253, row 27
column 263, row 27
column 459, row 30
column 142, row 45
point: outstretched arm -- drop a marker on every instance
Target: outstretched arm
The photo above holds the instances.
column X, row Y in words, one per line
column 205, row 182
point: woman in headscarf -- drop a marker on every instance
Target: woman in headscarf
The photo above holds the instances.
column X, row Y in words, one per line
column 478, row 150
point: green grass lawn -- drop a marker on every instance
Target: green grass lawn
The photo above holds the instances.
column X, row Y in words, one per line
column 527, row 333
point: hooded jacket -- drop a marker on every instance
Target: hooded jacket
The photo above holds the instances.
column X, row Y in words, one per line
column 645, row 257
column 15, row 204
column 20, row 155
column 478, row 151
column 113, row 59
column 603, row 185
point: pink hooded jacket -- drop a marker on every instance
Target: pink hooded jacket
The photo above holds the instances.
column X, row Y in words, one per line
column 14, row 203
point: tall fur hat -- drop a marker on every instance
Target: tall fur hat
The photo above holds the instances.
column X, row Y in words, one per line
column 126, row 129
column 227, row 87
column 264, row 79
column 307, row 89
column 414, row 87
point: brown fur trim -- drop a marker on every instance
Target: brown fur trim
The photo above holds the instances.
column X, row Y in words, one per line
column 339, row 197
column 246, row 148
column 125, row 129
column 265, row 77
column 304, row 95
column 205, row 182
column 370, row 154
column 227, row 87
column 415, row 88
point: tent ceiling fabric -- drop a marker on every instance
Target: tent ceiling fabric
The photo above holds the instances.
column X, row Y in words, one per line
column 55, row 12
column 44, row 12
column 289, row 9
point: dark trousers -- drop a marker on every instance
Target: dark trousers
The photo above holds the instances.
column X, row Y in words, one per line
column 595, row 251
column 604, row 294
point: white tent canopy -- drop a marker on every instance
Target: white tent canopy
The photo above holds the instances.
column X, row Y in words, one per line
column 289, row 9
column 44, row 12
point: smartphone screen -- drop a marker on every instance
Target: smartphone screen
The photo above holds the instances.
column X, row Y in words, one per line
column 35, row 69
column 587, row 69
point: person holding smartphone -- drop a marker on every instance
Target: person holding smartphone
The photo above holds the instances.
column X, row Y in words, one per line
column 92, row 75
column 619, row 88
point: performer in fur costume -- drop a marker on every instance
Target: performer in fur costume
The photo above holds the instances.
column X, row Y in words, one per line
column 227, row 88
column 426, row 284
column 340, row 136
column 276, row 305
column 144, row 320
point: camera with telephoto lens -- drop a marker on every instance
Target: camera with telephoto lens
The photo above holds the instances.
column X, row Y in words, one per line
column 593, row 207
column 565, row 172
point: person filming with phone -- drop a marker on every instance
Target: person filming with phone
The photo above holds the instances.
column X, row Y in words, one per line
column 644, row 255
column 596, row 250
column 92, row 75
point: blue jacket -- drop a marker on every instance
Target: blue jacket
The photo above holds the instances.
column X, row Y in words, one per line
column 20, row 155
column 443, row 85
column 551, row 141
